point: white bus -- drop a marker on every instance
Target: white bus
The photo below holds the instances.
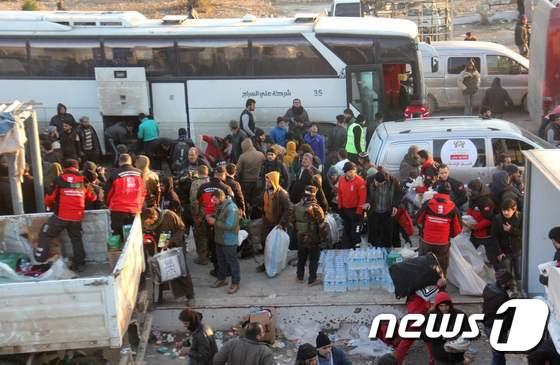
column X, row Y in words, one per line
column 197, row 74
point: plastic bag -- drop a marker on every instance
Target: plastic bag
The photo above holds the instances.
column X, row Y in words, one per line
column 407, row 252
column 58, row 271
column 243, row 234
column 466, row 249
column 276, row 251
column 462, row 274
column 169, row 264
column 333, row 235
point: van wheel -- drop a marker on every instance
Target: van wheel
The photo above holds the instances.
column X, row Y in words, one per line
column 432, row 104
column 524, row 104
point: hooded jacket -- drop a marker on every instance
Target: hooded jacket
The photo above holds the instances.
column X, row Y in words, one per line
column 409, row 164
column 226, row 228
column 276, row 165
column 58, row 119
column 169, row 199
column 243, row 351
column 69, row 195
column 249, row 163
column 307, row 217
column 203, row 346
column 278, row 135
column 501, row 190
column 276, row 202
column 439, row 219
column 481, row 208
column 438, row 349
column 126, row 190
column 493, row 297
column 167, row 221
column 497, row 98
column 291, row 154
column 151, row 181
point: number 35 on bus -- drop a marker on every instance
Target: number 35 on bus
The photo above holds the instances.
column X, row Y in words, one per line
column 198, row 73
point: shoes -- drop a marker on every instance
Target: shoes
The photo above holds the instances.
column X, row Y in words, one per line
column 201, row 261
column 233, row 289
column 261, row 268
column 314, row 282
column 219, row 284
column 457, row 345
column 299, row 280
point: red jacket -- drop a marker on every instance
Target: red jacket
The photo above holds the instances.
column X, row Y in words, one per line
column 440, row 220
column 482, row 211
column 126, row 190
column 69, row 195
column 206, row 191
column 351, row 193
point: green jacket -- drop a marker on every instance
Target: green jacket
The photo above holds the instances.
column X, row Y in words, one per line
column 148, row 130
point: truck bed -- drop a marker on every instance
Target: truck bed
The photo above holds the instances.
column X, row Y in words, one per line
column 91, row 311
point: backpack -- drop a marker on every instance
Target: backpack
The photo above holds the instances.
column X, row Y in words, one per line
column 179, row 156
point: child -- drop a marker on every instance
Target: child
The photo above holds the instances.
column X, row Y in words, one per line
column 506, row 228
column 554, row 235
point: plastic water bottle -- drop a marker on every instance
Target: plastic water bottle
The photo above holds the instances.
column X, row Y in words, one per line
column 364, row 280
column 328, row 283
column 353, row 280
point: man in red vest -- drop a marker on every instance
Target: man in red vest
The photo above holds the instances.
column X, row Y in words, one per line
column 439, row 219
column 67, row 200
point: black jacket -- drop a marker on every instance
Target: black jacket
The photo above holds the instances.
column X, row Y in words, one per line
column 438, row 344
column 269, row 166
column 303, row 178
column 497, row 98
column 494, row 296
column 508, row 242
column 336, row 139
column 81, row 134
column 458, row 191
column 203, row 346
column 59, row 119
column 70, row 145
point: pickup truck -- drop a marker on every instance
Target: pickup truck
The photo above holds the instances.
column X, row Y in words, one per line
column 91, row 312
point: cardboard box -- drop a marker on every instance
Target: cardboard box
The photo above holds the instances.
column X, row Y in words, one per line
column 267, row 318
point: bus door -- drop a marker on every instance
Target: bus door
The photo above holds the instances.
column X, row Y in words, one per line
column 364, row 90
column 122, row 91
column 169, row 106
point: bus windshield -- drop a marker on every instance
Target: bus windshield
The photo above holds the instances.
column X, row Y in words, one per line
column 396, row 82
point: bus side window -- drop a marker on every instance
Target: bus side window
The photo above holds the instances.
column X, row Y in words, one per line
column 13, row 58
column 63, row 58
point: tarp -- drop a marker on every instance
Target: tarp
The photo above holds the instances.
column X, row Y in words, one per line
column 12, row 140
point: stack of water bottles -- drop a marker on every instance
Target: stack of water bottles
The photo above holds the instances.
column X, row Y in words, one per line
column 357, row 269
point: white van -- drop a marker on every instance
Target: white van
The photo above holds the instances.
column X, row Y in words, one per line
column 469, row 145
column 443, row 61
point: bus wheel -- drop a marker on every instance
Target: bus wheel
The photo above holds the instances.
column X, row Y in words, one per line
column 524, row 104
column 432, row 104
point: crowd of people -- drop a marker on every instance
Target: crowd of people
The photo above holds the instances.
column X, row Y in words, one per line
column 291, row 178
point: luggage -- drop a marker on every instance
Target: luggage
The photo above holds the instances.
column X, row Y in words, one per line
column 414, row 274
column 276, row 252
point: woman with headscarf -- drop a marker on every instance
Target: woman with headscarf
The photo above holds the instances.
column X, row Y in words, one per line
column 469, row 83
column 151, row 181
column 169, row 198
column 203, row 345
